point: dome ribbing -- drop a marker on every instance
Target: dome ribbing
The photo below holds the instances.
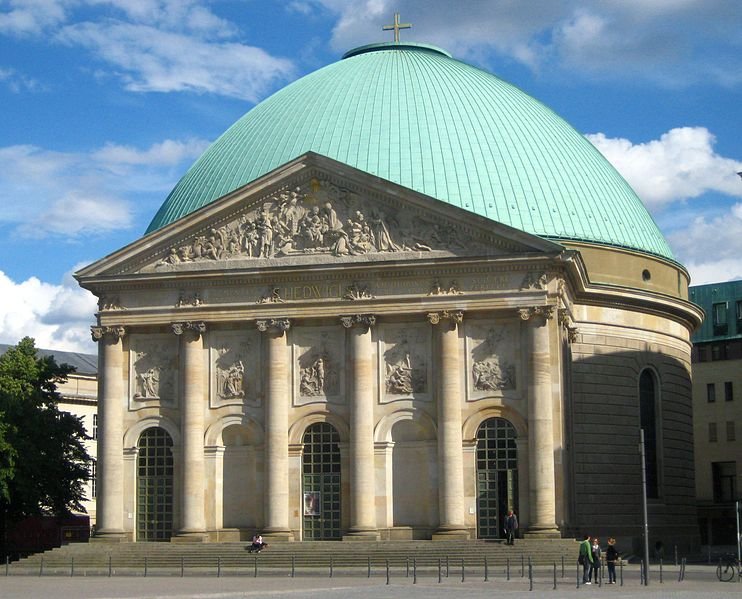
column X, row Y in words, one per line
column 411, row 114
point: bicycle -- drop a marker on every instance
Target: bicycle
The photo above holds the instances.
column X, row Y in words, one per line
column 728, row 566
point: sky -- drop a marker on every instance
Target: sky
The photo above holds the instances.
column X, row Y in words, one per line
column 104, row 104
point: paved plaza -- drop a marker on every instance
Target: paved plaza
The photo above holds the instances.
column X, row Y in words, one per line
column 700, row 581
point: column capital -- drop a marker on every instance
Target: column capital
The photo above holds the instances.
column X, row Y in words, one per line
column 546, row 312
column 454, row 317
column 362, row 320
column 116, row 331
column 279, row 324
column 199, row 328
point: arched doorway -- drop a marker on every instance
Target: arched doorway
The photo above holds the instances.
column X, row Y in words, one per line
column 497, row 476
column 321, row 482
column 155, row 485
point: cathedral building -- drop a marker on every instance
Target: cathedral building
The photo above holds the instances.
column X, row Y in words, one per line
column 394, row 300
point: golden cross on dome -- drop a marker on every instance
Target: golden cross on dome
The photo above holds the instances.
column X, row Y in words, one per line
column 396, row 27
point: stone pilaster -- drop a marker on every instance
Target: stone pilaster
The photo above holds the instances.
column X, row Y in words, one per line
column 276, row 429
column 362, row 487
column 111, row 393
column 193, row 521
column 542, row 505
column 450, row 438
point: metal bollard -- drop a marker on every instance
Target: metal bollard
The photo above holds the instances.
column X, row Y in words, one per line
column 293, row 566
column 110, row 568
column 620, row 567
column 182, row 566
column 562, row 566
column 7, row 564
column 463, row 577
column 331, row 564
column 555, row 576
column 407, row 566
column 145, row 566
column 660, row 570
column 522, row 566
column 578, row 575
column 218, row 566
column 676, row 555
column 387, row 571
column 414, row 570
column 447, row 569
column 530, row 575
column 255, row 570
column 72, row 566
column 41, row 567
column 439, row 570
column 369, row 567
column 486, row 577
column 507, row 569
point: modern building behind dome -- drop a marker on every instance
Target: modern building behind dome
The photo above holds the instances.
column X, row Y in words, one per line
column 394, row 299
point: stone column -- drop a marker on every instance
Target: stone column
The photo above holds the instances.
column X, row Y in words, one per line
column 542, row 508
column 450, row 438
column 362, row 467
column 193, row 521
column 109, row 504
column 277, row 398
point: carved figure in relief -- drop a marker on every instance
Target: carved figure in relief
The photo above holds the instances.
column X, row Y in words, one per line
column 149, row 384
column 312, row 379
column 326, row 220
column 489, row 375
column 399, row 377
column 234, row 381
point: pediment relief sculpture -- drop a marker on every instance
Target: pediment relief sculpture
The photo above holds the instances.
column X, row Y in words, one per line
column 325, row 220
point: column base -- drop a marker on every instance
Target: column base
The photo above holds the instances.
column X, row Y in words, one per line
column 451, row 534
column 365, row 534
column 114, row 536
column 190, row 537
column 542, row 532
column 278, row 536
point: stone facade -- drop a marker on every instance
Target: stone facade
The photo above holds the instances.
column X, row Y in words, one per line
column 329, row 355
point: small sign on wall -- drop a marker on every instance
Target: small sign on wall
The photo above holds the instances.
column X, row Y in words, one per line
column 312, row 503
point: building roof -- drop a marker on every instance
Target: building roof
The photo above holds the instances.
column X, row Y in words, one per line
column 726, row 295
column 83, row 363
column 413, row 115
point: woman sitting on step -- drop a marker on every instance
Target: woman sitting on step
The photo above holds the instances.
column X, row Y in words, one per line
column 257, row 544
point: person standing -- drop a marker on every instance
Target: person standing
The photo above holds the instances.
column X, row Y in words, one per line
column 585, row 558
column 595, row 566
column 511, row 525
column 611, row 557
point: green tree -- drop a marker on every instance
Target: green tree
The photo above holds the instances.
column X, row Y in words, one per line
column 43, row 460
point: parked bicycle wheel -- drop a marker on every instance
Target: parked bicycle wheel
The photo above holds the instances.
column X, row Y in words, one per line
column 726, row 570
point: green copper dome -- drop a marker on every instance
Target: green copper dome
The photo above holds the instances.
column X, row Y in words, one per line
column 411, row 114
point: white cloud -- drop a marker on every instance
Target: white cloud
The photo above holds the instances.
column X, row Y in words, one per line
column 152, row 60
column 661, row 40
column 17, row 82
column 56, row 316
column 682, row 164
column 32, row 17
column 74, row 194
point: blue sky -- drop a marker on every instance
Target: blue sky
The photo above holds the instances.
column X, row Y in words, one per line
column 104, row 104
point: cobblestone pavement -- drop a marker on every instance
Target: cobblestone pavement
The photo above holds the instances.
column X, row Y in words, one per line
column 700, row 581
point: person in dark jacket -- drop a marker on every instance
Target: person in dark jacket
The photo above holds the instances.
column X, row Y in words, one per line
column 511, row 525
column 595, row 566
column 611, row 557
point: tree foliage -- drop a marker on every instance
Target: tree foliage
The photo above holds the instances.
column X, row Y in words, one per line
column 43, row 460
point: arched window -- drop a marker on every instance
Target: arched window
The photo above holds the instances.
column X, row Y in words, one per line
column 648, row 419
column 155, row 485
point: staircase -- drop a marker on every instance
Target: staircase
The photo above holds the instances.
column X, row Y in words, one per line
column 317, row 558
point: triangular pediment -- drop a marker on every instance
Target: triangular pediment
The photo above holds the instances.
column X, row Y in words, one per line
column 311, row 211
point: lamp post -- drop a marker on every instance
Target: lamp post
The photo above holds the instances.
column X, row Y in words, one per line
column 644, row 507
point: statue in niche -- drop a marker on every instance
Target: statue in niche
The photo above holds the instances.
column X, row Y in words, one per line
column 234, row 381
column 490, row 371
